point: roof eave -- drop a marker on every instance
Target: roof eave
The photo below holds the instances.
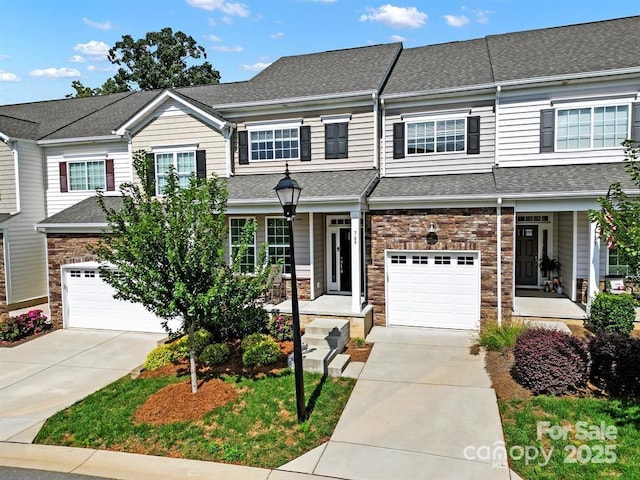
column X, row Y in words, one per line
column 280, row 101
column 91, row 139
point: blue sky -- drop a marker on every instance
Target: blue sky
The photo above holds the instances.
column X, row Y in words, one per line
column 45, row 44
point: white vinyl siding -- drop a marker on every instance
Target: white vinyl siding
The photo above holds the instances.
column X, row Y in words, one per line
column 519, row 133
column 57, row 201
column 174, row 126
column 319, row 235
column 360, row 148
column 7, row 179
column 26, row 265
column 440, row 163
column 565, row 247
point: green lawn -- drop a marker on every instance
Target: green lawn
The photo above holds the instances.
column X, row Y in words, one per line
column 259, row 428
column 575, row 454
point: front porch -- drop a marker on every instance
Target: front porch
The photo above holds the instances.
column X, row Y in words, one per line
column 332, row 306
column 540, row 304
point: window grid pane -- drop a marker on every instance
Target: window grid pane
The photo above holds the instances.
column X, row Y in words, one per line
column 248, row 262
column 439, row 136
column 183, row 162
column 77, row 176
column 96, row 176
column 610, row 126
column 278, row 144
column 278, row 242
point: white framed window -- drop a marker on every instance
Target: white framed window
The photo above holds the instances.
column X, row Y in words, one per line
column 236, row 229
column 616, row 267
column 275, row 144
column 593, row 127
column 436, row 136
column 184, row 163
column 278, row 242
column 87, row 175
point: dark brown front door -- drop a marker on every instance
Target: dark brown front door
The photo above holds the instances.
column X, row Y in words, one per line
column 527, row 255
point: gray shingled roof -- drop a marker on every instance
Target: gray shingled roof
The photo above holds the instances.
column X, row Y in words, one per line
column 4, row 217
column 512, row 181
column 349, row 184
column 87, row 211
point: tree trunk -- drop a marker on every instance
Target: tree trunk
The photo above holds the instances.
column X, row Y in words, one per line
column 192, row 359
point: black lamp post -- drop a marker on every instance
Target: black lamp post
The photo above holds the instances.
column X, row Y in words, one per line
column 288, row 192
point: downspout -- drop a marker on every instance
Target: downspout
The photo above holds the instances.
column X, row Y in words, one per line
column 383, row 147
column 499, row 257
column 13, row 145
column 497, row 126
column 228, row 136
column 127, row 136
column 376, row 133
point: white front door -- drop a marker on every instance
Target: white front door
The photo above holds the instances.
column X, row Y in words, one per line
column 433, row 289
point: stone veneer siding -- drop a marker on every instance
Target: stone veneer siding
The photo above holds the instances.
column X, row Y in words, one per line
column 62, row 249
column 3, row 285
column 457, row 229
column 304, row 288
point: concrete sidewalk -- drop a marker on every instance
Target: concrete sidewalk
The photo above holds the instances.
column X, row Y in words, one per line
column 421, row 408
column 47, row 374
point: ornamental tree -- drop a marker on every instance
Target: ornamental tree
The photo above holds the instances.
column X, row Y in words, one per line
column 618, row 219
column 168, row 253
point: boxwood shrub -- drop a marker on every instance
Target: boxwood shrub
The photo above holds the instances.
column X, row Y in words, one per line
column 550, row 362
column 250, row 340
column 214, row 354
column 611, row 313
column 264, row 352
column 615, row 364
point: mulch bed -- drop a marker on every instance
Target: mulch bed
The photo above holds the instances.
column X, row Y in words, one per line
column 4, row 344
column 358, row 354
column 498, row 366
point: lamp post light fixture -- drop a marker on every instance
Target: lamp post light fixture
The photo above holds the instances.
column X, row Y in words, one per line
column 288, row 192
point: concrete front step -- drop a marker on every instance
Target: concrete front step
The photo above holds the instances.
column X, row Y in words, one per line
column 315, row 340
column 326, row 338
column 325, row 361
column 326, row 326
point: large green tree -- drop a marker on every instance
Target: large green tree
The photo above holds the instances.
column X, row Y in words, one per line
column 169, row 253
column 161, row 59
column 618, row 219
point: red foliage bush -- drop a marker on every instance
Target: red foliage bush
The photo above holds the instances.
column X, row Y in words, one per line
column 615, row 361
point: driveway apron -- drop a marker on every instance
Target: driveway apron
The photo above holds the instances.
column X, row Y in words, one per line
column 50, row 373
column 422, row 408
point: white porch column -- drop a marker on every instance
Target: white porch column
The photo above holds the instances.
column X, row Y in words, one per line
column 312, row 260
column 355, row 262
column 574, row 260
column 594, row 262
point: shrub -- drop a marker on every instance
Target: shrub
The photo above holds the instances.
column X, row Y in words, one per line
column 214, row 354
column 498, row 338
column 246, row 321
column 359, row 342
column 615, row 360
column 22, row 326
column 264, row 352
column 280, row 327
column 252, row 339
column 612, row 313
column 160, row 356
column 201, row 338
column 550, row 362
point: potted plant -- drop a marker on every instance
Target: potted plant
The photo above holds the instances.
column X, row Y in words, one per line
column 548, row 265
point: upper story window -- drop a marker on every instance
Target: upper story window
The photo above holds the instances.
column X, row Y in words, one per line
column 592, row 127
column 184, row 164
column 236, row 230
column 336, row 135
column 436, row 136
column 282, row 143
column 87, row 174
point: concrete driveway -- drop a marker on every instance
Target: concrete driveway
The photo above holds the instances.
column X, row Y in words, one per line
column 422, row 408
column 47, row 374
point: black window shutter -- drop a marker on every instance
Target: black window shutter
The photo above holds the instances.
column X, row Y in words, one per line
column 151, row 171
column 330, row 140
column 111, row 182
column 64, row 187
column 398, row 140
column 473, row 135
column 547, row 126
column 305, row 143
column 243, row 148
column 635, row 123
column 201, row 163
column 343, row 140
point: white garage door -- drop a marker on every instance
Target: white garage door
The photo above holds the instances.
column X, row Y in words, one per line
column 433, row 289
column 89, row 303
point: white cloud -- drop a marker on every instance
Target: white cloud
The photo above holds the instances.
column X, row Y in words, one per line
column 396, row 17
column 76, row 59
column 482, row 16
column 456, row 20
column 8, row 77
column 110, row 68
column 94, row 49
column 227, row 20
column 277, row 35
column 55, row 72
column 107, row 25
column 214, row 38
column 256, row 67
column 227, row 48
column 228, row 8
column 397, row 38
column 4, row 57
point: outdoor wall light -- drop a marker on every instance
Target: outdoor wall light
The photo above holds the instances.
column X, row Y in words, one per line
column 432, row 236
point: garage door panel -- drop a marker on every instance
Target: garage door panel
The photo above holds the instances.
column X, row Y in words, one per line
column 435, row 289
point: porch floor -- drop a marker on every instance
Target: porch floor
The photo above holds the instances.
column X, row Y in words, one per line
column 323, row 305
column 536, row 303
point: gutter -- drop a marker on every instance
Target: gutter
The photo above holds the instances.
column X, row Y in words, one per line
column 65, row 141
column 376, row 132
column 12, row 143
column 496, row 151
column 280, row 101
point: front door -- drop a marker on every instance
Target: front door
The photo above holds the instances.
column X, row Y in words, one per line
column 527, row 255
column 339, row 261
